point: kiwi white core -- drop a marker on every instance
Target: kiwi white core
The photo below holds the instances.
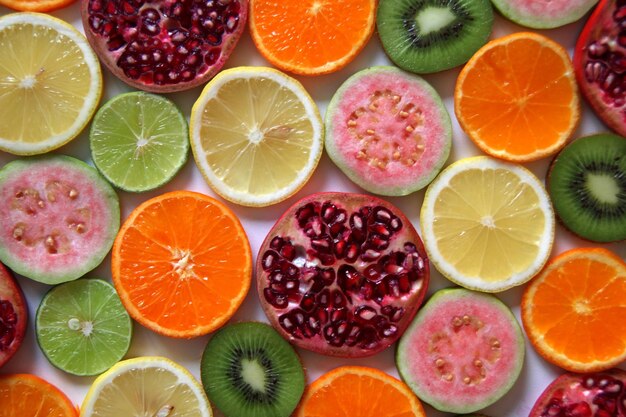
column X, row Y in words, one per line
column 253, row 374
column 432, row 19
column 603, row 187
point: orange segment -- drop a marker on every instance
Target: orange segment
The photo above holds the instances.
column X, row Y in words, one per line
column 359, row 391
column 574, row 310
column 311, row 37
column 25, row 395
column 182, row 264
column 517, row 98
column 36, row 5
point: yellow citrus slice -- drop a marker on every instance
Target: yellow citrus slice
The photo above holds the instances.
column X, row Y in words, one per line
column 256, row 135
column 50, row 83
column 146, row 386
column 487, row 225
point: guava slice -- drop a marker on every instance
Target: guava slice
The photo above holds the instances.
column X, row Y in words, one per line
column 59, row 218
column 463, row 351
column 543, row 14
column 388, row 131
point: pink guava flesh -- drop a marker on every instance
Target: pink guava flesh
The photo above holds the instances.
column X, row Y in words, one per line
column 543, row 14
column 463, row 351
column 59, row 218
column 388, row 131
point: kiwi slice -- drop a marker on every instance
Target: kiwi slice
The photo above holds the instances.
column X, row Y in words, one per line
column 587, row 184
column 425, row 36
column 249, row 370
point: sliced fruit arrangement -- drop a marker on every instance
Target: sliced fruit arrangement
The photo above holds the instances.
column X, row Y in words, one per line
column 596, row 394
column 388, row 131
column 359, row 391
column 82, row 327
column 248, row 370
column 164, row 45
column 13, row 315
column 487, row 225
column 36, row 5
column 342, row 274
column 572, row 311
column 311, row 37
column 181, row 264
column 587, row 183
column 26, row 395
column 256, row 135
column 425, row 36
column 139, row 141
column 543, row 14
column 51, row 83
column 146, row 386
column 463, row 351
column 600, row 64
column 59, row 220
column 517, row 97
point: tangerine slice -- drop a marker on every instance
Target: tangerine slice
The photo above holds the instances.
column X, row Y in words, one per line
column 26, row 395
column 573, row 310
column 311, row 37
column 517, row 98
column 181, row 264
column 359, row 391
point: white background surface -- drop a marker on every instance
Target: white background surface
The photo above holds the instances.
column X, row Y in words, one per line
column 536, row 373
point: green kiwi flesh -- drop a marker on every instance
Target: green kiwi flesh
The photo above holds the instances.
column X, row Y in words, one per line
column 426, row 36
column 249, row 370
column 587, row 184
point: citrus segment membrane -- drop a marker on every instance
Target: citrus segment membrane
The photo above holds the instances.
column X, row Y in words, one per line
column 487, row 225
column 256, row 135
column 60, row 219
column 51, row 85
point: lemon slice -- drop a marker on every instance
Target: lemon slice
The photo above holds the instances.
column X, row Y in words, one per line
column 256, row 135
column 50, row 83
column 146, row 386
column 487, row 225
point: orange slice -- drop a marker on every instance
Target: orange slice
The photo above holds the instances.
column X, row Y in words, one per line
column 360, row 391
column 573, row 311
column 25, row 395
column 517, row 98
column 181, row 264
column 36, row 5
column 311, row 37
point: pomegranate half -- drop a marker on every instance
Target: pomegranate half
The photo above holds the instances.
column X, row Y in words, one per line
column 342, row 274
column 13, row 315
column 600, row 63
column 164, row 45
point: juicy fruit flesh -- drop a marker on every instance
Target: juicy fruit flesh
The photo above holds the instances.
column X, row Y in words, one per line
column 341, row 278
column 590, row 395
column 8, row 324
column 28, row 395
column 544, row 13
column 164, row 42
column 44, row 85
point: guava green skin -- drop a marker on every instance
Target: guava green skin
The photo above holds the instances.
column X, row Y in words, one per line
column 447, row 296
column 509, row 9
column 361, row 178
column 33, row 268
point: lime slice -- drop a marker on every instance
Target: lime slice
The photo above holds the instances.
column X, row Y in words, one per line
column 256, row 135
column 146, row 386
column 487, row 225
column 50, row 83
column 139, row 141
column 82, row 327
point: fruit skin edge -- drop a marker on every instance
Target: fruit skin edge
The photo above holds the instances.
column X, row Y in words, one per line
column 327, row 178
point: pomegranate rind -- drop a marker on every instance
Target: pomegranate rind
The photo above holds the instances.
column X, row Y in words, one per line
column 287, row 226
column 568, row 389
column 10, row 291
column 543, row 14
column 76, row 195
column 601, row 25
column 411, row 147
column 109, row 58
column 498, row 337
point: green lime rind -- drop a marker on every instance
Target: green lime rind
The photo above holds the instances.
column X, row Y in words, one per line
column 82, row 327
column 139, row 141
column 272, row 382
column 87, row 250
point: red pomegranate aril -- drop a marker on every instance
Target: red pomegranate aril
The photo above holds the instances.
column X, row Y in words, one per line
column 8, row 320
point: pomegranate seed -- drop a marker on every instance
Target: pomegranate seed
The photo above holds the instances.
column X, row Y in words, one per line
column 338, row 299
column 323, row 298
column 274, row 299
column 308, row 302
column 383, row 215
column 328, row 275
column 366, row 313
